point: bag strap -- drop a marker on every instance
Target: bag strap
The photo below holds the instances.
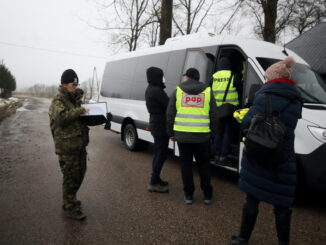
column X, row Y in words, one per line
column 227, row 88
column 269, row 104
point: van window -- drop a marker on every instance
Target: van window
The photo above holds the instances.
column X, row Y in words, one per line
column 196, row 58
column 116, row 80
column 140, row 83
column 311, row 86
column 173, row 74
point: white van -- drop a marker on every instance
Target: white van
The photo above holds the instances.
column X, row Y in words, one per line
column 124, row 83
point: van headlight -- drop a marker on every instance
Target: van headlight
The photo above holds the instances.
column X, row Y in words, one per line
column 318, row 133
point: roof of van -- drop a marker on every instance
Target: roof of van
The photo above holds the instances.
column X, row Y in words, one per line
column 252, row 47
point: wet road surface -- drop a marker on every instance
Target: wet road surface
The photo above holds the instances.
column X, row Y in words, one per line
column 114, row 195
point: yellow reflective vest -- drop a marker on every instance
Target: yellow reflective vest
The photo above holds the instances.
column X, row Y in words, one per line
column 192, row 111
column 239, row 114
column 220, row 83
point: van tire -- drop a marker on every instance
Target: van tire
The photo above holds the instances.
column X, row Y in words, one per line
column 130, row 137
column 131, row 140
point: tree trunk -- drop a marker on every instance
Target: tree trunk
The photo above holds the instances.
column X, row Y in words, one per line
column 270, row 13
column 166, row 21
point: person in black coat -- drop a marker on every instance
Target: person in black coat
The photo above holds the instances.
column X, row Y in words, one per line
column 156, row 103
column 275, row 185
column 193, row 143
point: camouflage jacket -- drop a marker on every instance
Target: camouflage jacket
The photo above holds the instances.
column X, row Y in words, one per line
column 69, row 133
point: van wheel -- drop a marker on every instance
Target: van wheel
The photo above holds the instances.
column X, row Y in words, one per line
column 130, row 138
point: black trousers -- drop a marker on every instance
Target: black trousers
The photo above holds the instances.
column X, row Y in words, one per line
column 201, row 152
column 161, row 145
column 249, row 216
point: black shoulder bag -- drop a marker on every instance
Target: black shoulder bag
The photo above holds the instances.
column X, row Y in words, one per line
column 265, row 135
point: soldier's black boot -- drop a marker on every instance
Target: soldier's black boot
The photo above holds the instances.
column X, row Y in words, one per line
column 76, row 214
column 249, row 216
column 283, row 220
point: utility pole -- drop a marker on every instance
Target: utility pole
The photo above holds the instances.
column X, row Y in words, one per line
column 97, row 84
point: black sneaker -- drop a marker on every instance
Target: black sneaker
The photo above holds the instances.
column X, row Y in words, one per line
column 236, row 240
column 76, row 214
column 157, row 188
column 208, row 201
column 188, row 199
column 162, row 182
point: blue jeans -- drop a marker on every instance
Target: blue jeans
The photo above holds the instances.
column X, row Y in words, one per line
column 223, row 138
column 161, row 145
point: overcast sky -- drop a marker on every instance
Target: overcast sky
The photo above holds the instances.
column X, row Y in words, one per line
column 39, row 39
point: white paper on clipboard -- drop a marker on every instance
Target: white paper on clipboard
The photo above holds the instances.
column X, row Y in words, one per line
column 96, row 109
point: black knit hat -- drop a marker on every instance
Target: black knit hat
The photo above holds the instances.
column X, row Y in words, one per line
column 69, row 76
column 192, row 73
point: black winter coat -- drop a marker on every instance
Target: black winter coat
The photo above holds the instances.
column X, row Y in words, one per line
column 156, row 103
column 275, row 186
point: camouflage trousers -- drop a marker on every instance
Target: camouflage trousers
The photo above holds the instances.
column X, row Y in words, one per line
column 73, row 168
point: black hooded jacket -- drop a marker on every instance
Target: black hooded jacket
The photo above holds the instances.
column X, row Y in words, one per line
column 156, row 101
column 191, row 87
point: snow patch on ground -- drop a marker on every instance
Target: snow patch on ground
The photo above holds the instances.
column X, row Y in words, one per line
column 5, row 102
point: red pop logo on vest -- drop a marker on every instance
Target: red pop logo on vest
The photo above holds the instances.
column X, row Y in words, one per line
column 190, row 100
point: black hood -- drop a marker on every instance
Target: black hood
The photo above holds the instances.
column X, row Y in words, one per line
column 155, row 76
column 224, row 64
column 193, row 86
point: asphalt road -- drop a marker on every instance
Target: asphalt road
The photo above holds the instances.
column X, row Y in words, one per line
column 115, row 199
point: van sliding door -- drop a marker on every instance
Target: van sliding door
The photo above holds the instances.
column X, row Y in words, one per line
column 196, row 58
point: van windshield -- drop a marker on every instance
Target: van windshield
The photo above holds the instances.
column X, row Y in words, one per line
column 310, row 84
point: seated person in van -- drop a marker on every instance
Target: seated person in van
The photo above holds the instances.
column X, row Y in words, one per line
column 225, row 87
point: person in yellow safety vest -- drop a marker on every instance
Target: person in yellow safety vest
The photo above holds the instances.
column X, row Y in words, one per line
column 224, row 131
column 191, row 120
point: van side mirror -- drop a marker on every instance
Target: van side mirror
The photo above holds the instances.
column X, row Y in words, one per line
column 252, row 91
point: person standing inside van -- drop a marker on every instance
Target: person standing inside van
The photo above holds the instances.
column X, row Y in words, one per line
column 191, row 119
column 70, row 135
column 225, row 89
column 156, row 103
column 274, row 183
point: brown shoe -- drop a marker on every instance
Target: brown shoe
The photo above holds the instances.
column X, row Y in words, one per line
column 158, row 188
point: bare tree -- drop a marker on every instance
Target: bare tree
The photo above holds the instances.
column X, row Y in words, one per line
column 273, row 16
column 42, row 90
column 189, row 15
column 166, row 20
column 308, row 13
column 131, row 17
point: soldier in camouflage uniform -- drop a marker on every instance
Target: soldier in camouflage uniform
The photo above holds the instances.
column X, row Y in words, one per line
column 70, row 137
